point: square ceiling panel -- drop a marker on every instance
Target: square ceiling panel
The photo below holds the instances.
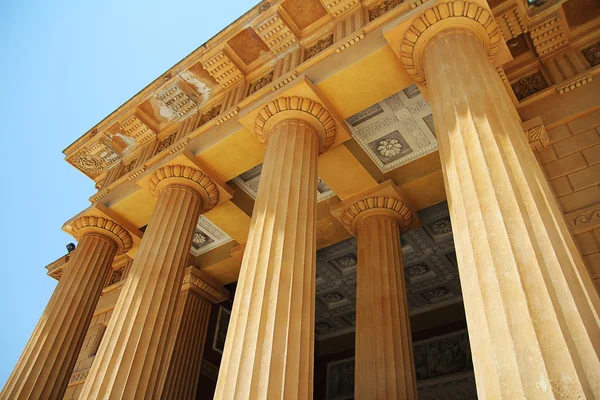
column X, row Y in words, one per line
column 304, row 12
column 396, row 130
column 248, row 46
column 248, row 182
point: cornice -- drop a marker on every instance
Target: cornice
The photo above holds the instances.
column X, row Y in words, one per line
column 188, row 176
column 105, row 227
column 296, row 107
column 440, row 18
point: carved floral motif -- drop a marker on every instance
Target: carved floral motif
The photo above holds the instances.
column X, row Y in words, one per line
column 442, row 226
column 318, row 47
column 529, row 85
column 333, row 297
column 383, row 8
column 592, row 54
column 417, row 270
column 261, row 83
column 389, row 147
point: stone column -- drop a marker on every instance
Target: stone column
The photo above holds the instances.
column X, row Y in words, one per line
column 134, row 347
column 46, row 364
column 384, row 367
column 270, row 341
column 198, row 294
column 531, row 308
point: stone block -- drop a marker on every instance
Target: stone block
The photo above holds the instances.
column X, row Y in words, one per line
column 577, row 143
column 580, row 199
column 559, row 133
column 592, row 155
column 592, row 262
column 586, row 177
column 584, row 123
column 561, row 186
column 565, row 166
column 547, row 154
column 587, row 243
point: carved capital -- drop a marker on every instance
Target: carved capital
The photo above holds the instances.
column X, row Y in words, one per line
column 454, row 15
column 376, row 207
column 300, row 108
column 104, row 227
column 186, row 176
column 202, row 285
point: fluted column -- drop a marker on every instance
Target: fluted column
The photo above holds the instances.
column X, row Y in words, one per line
column 134, row 347
column 46, row 364
column 198, row 294
column 531, row 309
column 270, row 341
column 384, row 367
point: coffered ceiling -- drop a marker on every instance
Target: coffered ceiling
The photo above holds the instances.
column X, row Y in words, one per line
column 429, row 266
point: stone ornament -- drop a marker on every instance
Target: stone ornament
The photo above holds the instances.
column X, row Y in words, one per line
column 297, row 108
column 105, row 227
column 387, row 207
column 432, row 22
column 186, row 176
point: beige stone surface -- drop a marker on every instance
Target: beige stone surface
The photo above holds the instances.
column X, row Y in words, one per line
column 182, row 371
column 45, row 366
column 270, row 341
column 531, row 308
column 384, row 363
column 135, row 343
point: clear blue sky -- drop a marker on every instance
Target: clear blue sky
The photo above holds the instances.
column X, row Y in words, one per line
column 64, row 66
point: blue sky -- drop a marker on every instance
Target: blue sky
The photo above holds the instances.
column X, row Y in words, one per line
column 64, row 66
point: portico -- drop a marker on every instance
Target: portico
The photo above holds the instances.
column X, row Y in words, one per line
column 324, row 123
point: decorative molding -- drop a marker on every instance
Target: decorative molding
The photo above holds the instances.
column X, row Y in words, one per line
column 79, row 377
column 208, row 115
column 399, row 210
column 512, row 23
column 207, row 290
column 85, row 225
column 137, row 172
column 211, row 191
column 228, row 115
column 529, row 85
column 584, row 220
column 502, row 74
column 318, row 47
column 574, row 83
column 536, row 133
column 276, row 34
column 100, row 195
column 207, row 236
column 549, row 36
column 260, row 83
column 223, row 69
column 175, row 103
column 416, row 3
column 338, row 7
column 423, row 28
column 179, row 146
column 349, row 42
column 284, row 81
column 135, row 128
column 301, row 104
column 384, row 7
column 95, row 159
column 592, row 54
column 165, row 143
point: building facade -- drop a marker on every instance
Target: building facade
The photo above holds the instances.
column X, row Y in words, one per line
column 339, row 199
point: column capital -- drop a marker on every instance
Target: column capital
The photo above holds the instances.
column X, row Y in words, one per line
column 442, row 18
column 299, row 108
column 186, row 176
column 201, row 284
column 104, row 227
column 381, row 201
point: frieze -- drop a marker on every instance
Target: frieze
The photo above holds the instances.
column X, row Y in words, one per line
column 318, row 47
column 260, row 83
column 592, row 54
column 529, row 85
column 584, row 220
column 383, row 8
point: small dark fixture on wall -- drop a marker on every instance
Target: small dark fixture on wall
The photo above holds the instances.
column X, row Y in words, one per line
column 70, row 247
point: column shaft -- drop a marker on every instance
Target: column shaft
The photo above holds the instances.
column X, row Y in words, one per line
column 45, row 366
column 183, row 369
column 531, row 308
column 134, row 345
column 270, row 342
column 384, row 359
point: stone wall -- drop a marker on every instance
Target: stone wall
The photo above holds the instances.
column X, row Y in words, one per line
column 572, row 164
